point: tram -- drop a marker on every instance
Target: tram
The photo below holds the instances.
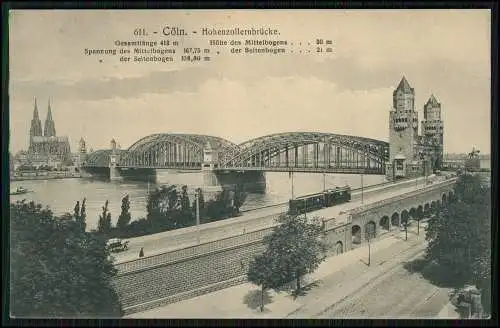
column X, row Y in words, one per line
column 328, row 198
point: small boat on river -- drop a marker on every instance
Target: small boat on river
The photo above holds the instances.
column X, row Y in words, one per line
column 20, row 191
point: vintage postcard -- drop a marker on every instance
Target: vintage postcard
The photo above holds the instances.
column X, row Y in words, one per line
column 250, row 164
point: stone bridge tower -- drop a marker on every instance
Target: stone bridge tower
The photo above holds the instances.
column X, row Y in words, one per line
column 432, row 134
column 403, row 133
column 114, row 161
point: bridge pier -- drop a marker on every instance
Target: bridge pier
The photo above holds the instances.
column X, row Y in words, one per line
column 249, row 181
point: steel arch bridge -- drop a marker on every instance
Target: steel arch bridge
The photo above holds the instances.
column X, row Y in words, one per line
column 174, row 151
column 310, row 152
column 99, row 158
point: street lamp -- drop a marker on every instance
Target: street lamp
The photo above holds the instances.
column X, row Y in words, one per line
column 324, row 181
column 197, row 197
column 406, row 229
column 362, row 199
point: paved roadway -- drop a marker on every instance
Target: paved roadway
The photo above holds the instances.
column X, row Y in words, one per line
column 249, row 221
column 345, row 287
column 385, row 290
column 396, row 294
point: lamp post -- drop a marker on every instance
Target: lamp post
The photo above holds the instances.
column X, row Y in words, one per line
column 362, row 189
column 324, row 181
column 291, row 176
column 406, row 229
column 197, row 216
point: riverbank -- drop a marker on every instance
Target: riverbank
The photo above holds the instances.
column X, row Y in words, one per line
column 45, row 176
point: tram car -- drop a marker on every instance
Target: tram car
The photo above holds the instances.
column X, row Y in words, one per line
column 328, row 198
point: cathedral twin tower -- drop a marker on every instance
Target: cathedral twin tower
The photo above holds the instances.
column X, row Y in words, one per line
column 47, row 145
column 49, row 129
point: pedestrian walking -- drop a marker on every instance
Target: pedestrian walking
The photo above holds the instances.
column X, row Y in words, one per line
column 141, row 252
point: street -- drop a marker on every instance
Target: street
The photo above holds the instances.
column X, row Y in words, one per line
column 249, row 221
column 393, row 292
column 399, row 294
column 344, row 286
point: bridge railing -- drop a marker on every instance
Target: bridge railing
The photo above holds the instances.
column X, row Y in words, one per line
column 351, row 170
column 409, row 194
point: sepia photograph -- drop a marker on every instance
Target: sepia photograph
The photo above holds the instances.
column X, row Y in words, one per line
column 250, row 164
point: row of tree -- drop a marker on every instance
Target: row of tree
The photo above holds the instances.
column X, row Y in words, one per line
column 460, row 237
column 169, row 208
column 57, row 268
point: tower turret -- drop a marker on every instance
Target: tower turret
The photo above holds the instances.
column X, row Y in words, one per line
column 49, row 128
column 82, row 146
column 432, row 133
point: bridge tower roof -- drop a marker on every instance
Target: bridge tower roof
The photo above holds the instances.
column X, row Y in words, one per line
column 404, row 86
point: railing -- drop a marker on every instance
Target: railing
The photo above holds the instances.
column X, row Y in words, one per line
column 192, row 251
column 351, row 170
column 409, row 194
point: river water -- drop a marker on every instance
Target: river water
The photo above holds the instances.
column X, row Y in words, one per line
column 61, row 194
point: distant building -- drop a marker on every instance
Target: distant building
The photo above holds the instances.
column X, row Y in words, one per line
column 47, row 149
column 412, row 154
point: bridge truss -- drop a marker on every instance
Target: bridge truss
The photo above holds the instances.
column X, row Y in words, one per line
column 99, row 158
column 310, row 152
column 175, row 151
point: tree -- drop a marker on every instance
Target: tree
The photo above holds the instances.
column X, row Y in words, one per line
column 460, row 235
column 104, row 225
column 261, row 271
column 370, row 234
column 124, row 218
column 186, row 213
column 295, row 247
column 80, row 215
column 57, row 269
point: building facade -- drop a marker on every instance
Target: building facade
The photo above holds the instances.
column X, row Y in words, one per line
column 47, row 148
column 411, row 154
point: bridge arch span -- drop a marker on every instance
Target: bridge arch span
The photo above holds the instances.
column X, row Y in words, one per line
column 174, row 150
column 99, row 158
column 310, row 150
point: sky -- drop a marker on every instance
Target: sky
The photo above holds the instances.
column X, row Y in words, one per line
column 243, row 96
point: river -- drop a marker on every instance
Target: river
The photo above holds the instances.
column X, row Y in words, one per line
column 61, row 194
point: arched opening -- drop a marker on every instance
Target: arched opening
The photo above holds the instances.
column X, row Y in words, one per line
column 427, row 210
column 395, row 219
column 356, row 234
column 384, row 223
column 433, row 207
column 413, row 213
column 339, row 248
column 404, row 217
column 371, row 230
column 444, row 199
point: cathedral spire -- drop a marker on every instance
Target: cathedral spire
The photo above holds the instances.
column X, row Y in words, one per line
column 50, row 128
column 35, row 112
column 36, row 124
column 49, row 113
